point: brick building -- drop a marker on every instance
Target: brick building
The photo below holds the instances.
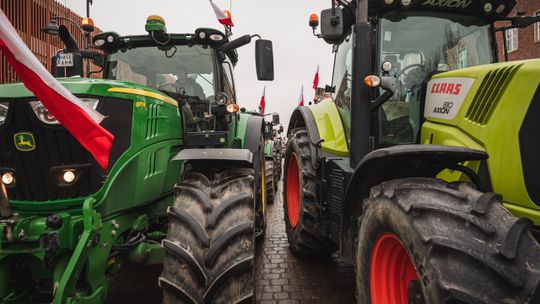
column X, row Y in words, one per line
column 29, row 17
column 523, row 43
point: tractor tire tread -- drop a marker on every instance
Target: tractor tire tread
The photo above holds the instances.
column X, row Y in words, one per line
column 467, row 246
column 217, row 266
column 307, row 238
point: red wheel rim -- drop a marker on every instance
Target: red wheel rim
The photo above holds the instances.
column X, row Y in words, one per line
column 391, row 271
column 293, row 191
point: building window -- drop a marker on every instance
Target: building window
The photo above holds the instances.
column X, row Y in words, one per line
column 537, row 29
column 512, row 40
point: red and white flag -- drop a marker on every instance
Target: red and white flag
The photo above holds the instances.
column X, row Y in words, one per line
column 220, row 15
column 262, row 103
column 316, row 79
column 79, row 119
column 301, row 98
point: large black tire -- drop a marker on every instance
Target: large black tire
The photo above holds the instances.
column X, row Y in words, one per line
column 301, row 209
column 209, row 248
column 463, row 245
column 270, row 182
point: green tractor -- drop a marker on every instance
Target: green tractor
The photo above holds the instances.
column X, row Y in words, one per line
column 184, row 182
column 422, row 170
column 272, row 153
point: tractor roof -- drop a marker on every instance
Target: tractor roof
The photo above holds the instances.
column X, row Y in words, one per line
column 487, row 9
column 111, row 42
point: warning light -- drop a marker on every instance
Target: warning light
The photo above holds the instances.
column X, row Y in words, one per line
column 227, row 14
column 372, row 81
column 233, row 108
column 313, row 20
column 87, row 24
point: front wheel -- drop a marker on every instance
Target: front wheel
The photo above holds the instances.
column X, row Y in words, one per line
column 426, row 241
column 300, row 202
column 210, row 243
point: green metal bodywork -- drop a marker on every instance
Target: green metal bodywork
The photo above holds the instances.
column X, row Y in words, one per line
column 139, row 184
column 498, row 136
column 136, row 162
column 134, row 196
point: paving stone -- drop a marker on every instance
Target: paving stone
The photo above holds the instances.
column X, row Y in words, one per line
column 281, row 278
column 311, row 280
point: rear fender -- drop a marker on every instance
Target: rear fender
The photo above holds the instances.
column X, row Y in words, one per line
column 303, row 118
column 394, row 163
column 250, row 131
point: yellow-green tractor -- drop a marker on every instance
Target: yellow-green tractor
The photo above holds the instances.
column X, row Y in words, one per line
column 423, row 168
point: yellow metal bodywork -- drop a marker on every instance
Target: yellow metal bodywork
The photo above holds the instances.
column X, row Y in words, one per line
column 499, row 136
column 145, row 93
column 330, row 127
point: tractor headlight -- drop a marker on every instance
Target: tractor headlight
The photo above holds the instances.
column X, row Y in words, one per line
column 43, row 114
column 221, row 99
column 4, row 106
column 8, row 178
column 69, row 177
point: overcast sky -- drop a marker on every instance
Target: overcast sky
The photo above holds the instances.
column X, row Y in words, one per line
column 296, row 51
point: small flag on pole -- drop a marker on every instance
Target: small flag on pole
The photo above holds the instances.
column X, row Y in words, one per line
column 262, row 104
column 221, row 16
column 78, row 119
column 301, row 98
column 316, row 79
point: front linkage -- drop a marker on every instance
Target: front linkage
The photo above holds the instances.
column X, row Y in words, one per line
column 77, row 250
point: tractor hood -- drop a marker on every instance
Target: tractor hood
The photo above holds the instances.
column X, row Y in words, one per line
column 77, row 86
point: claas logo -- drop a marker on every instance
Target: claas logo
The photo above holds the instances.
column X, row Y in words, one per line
column 446, row 88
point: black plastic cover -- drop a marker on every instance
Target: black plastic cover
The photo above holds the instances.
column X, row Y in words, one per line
column 529, row 136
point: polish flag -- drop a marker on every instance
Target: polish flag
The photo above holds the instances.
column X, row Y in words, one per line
column 316, row 79
column 220, row 15
column 301, row 98
column 262, row 103
column 79, row 119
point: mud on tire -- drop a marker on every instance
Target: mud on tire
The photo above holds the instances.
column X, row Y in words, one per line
column 300, row 199
column 209, row 248
column 464, row 245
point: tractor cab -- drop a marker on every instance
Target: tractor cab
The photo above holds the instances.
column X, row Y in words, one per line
column 196, row 70
column 407, row 42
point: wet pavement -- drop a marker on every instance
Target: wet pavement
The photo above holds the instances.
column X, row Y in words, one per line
column 281, row 277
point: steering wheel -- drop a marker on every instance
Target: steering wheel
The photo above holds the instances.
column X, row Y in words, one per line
column 172, row 85
column 406, row 69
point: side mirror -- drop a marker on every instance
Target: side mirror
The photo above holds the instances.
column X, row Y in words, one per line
column 332, row 25
column 275, row 119
column 264, row 58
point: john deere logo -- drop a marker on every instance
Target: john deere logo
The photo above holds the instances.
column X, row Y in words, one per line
column 24, row 141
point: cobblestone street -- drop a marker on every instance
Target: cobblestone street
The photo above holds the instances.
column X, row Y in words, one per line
column 281, row 277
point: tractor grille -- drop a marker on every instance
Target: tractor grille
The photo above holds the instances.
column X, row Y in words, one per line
column 38, row 172
column 489, row 94
column 529, row 140
column 336, row 189
column 152, row 120
column 336, row 182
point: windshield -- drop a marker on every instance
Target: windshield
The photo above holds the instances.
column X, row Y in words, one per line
column 418, row 45
column 183, row 69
